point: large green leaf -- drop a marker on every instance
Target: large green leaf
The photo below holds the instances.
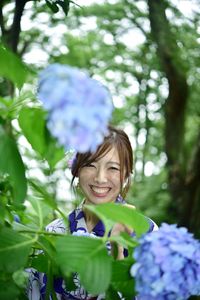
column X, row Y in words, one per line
column 88, row 257
column 121, row 278
column 14, row 249
column 32, row 121
column 8, row 289
column 111, row 213
column 11, row 67
column 40, row 263
column 40, row 210
column 112, row 294
column 11, row 163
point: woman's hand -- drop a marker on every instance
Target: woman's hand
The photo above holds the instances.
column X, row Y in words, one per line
column 117, row 250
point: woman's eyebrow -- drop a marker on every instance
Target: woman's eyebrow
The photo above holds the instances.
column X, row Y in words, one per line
column 114, row 162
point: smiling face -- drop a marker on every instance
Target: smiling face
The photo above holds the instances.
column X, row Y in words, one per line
column 116, row 148
column 100, row 180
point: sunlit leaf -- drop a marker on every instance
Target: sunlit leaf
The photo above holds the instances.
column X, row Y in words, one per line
column 11, row 67
column 24, row 228
column 20, row 277
column 11, row 163
column 88, row 257
column 111, row 213
column 32, row 121
column 54, row 153
column 39, row 212
column 45, row 195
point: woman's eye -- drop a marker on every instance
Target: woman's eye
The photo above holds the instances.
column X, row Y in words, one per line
column 114, row 168
column 90, row 166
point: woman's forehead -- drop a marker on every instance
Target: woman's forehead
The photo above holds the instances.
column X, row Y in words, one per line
column 111, row 155
column 106, row 153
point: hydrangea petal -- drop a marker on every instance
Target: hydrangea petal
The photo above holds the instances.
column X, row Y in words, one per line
column 167, row 264
column 79, row 108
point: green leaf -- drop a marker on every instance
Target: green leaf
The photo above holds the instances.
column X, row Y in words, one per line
column 121, row 278
column 52, row 6
column 20, row 278
column 88, row 257
column 110, row 213
column 53, row 152
column 32, row 121
column 11, row 163
column 124, row 239
column 8, row 289
column 65, row 6
column 40, row 263
column 47, row 244
column 48, row 198
column 14, row 249
column 40, row 209
column 111, row 294
column 24, row 228
column 11, row 67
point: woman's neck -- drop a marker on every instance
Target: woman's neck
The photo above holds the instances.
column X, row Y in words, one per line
column 90, row 218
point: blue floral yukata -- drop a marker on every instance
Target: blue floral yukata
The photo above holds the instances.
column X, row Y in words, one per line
column 77, row 226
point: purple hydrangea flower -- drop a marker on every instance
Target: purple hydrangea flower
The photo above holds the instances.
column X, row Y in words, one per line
column 79, row 107
column 167, row 264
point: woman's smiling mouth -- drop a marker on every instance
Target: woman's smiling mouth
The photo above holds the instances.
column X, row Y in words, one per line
column 100, row 191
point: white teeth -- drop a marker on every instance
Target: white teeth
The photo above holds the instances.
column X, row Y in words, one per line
column 100, row 190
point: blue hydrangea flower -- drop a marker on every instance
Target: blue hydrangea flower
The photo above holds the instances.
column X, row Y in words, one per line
column 167, row 264
column 79, row 107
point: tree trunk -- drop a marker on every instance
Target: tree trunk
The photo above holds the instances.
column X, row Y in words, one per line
column 14, row 32
column 182, row 181
column 10, row 37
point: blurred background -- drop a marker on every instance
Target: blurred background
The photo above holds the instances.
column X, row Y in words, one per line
column 147, row 54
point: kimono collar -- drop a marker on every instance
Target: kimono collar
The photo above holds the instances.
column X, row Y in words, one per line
column 77, row 220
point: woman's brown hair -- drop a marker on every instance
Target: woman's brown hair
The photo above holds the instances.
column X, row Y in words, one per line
column 116, row 138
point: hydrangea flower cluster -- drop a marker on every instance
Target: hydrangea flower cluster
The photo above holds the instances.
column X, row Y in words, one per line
column 79, row 107
column 167, row 264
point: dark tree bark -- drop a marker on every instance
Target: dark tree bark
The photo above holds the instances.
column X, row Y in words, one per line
column 16, row 28
column 11, row 35
column 183, row 180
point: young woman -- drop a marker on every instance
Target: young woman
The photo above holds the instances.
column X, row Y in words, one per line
column 103, row 176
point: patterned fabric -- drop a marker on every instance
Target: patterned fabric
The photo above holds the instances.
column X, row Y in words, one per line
column 77, row 226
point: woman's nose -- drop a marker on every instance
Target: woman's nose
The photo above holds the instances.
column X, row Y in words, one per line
column 100, row 176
